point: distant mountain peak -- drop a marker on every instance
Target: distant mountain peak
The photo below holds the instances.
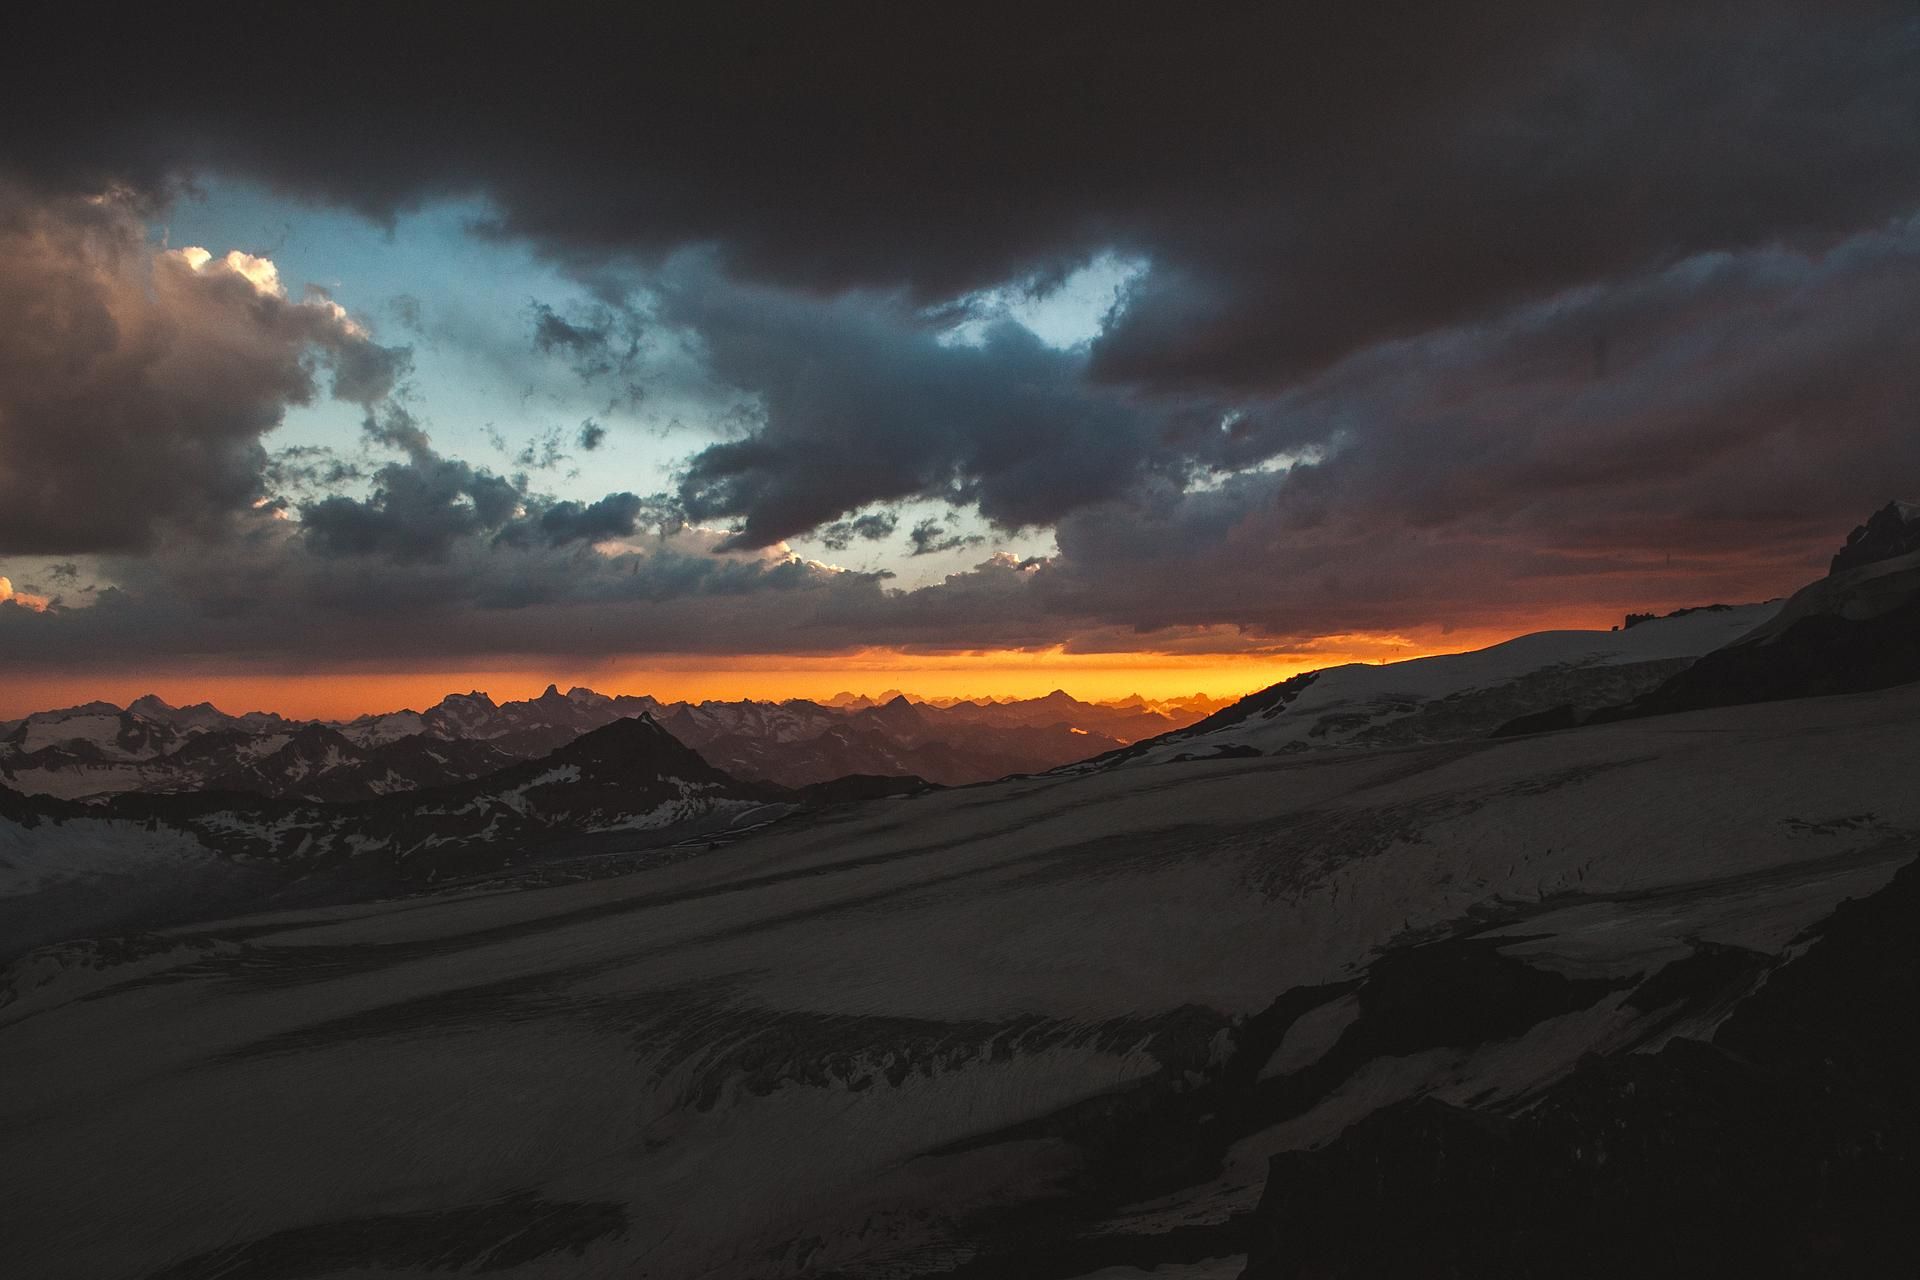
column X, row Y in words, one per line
column 627, row 729
column 635, row 742
column 898, row 709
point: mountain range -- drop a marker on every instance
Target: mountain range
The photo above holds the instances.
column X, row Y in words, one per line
column 100, row 749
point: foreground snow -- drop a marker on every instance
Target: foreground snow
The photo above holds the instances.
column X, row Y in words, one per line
column 890, row 1041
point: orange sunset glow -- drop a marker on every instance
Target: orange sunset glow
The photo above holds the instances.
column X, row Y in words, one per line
column 342, row 695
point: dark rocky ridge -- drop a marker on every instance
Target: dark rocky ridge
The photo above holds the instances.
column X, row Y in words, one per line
column 1853, row 631
column 1816, row 655
column 1788, row 1145
column 1893, row 530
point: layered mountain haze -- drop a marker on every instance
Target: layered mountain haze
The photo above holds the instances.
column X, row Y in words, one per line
column 99, row 749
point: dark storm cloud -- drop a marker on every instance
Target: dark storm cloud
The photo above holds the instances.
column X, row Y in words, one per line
column 422, row 508
column 1751, row 407
column 273, row 594
column 861, row 402
column 615, row 516
column 135, row 385
column 1305, row 181
column 418, row 510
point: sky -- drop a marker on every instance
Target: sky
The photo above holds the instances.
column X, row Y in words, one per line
column 352, row 357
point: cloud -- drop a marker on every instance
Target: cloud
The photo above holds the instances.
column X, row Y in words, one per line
column 135, row 386
column 929, row 537
column 1408, row 315
column 602, row 345
column 423, row 506
column 1751, row 406
column 860, row 402
column 876, row 526
column 542, row 452
column 617, row 515
column 1304, row 185
column 21, row 599
column 564, row 580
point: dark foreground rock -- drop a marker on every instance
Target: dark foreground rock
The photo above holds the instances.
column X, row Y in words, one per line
column 1788, row 1146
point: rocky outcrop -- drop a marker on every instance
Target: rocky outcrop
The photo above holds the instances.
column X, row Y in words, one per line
column 1855, row 630
column 1636, row 619
column 1893, row 530
column 1787, row 1145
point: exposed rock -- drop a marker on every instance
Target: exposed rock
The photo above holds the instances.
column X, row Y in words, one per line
column 1635, row 619
column 1856, row 630
column 1790, row 1145
column 1893, row 530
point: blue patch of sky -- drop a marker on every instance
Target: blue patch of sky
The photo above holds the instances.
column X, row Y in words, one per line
column 477, row 378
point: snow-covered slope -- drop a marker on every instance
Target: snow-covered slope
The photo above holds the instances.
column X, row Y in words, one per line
column 309, row 762
column 83, row 874
column 630, row 782
column 42, row 856
column 1454, row 696
column 1047, row 1027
